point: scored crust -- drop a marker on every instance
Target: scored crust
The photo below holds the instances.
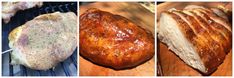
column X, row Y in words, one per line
column 199, row 26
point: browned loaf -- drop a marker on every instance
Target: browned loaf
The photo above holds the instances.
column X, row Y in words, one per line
column 113, row 41
column 200, row 36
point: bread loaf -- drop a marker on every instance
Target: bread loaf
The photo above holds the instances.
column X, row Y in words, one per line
column 200, row 36
column 44, row 41
column 113, row 41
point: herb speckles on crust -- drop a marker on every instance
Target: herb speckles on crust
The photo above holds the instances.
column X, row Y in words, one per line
column 44, row 41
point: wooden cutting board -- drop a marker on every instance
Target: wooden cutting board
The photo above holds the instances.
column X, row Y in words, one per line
column 140, row 16
column 172, row 65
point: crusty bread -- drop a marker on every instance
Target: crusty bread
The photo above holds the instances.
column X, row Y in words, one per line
column 44, row 41
column 199, row 36
column 113, row 41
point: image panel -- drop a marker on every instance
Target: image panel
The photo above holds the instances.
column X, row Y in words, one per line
column 39, row 38
column 116, row 39
column 194, row 38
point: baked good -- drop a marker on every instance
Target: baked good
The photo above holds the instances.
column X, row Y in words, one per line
column 113, row 41
column 44, row 41
column 200, row 36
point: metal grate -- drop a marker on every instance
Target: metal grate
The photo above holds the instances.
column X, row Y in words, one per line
column 66, row 68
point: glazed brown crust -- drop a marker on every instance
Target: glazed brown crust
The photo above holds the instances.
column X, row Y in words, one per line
column 213, row 48
column 211, row 51
column 217, row 28
column 114, row 41
column 214, row 17
column 216, row 36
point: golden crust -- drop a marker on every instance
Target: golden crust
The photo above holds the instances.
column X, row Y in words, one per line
column 113, row 41
column 14, row 34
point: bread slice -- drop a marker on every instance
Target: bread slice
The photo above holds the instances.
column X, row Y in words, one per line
column 215, row 14
column 44, row 41
column 170, row 33
column 217, row 10
column 201, row 42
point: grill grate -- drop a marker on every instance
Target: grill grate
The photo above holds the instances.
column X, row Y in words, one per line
column 66, row 68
